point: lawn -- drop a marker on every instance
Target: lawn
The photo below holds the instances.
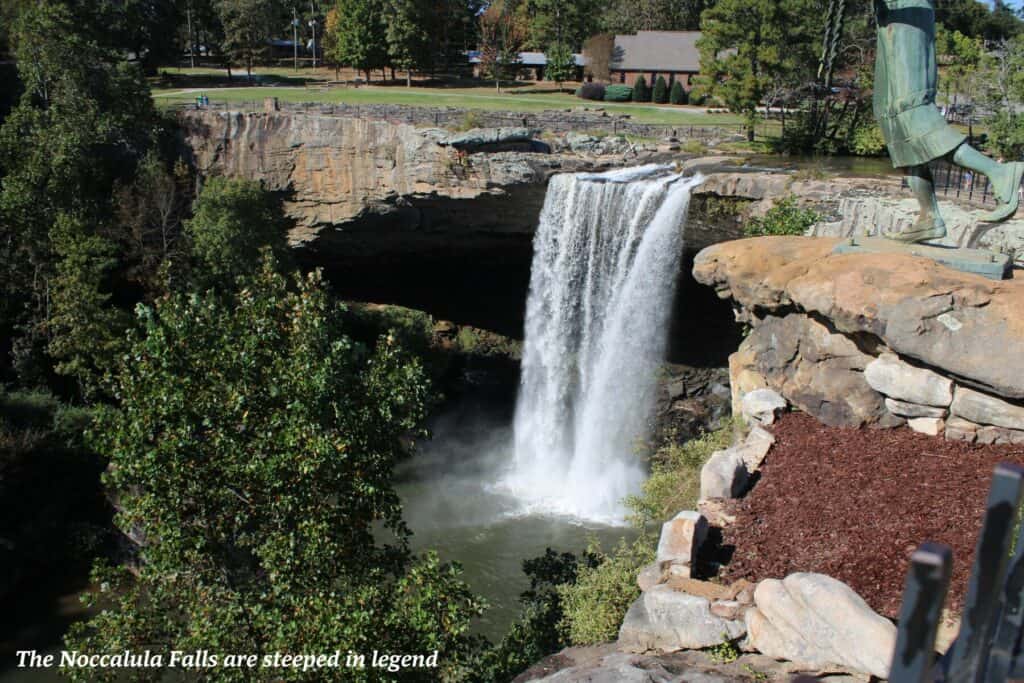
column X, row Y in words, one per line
column 282, row 83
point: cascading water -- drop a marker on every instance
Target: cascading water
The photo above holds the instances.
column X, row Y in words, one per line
column 606, row 258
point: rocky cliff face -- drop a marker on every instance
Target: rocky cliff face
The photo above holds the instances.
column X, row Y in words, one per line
column 874, row 339
column 349, row 174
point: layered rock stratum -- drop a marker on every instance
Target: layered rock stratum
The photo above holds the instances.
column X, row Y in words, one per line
column 848, row 338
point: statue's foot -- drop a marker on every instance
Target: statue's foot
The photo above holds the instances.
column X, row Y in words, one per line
column 931, row 229
column 1008, row 193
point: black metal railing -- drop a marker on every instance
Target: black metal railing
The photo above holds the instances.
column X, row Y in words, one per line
column 988, row 647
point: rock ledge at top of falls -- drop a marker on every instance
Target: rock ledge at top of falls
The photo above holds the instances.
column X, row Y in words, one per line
column 969, row 327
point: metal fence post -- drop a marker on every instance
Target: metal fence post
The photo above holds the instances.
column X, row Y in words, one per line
column 931, row 566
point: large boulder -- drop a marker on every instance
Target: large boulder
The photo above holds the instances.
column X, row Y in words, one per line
column 821, row 623
column 724, row 475
column 987, row 410
column 681, row 538
column 961, row 324
column 819, row 370
column 894, row 378
column 762, row 406
column 665, row 619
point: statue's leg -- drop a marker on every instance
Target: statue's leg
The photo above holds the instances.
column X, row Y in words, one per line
column 1005, row 179
column 929, row 224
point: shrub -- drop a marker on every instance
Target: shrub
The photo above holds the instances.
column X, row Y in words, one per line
column 674, row 483
column 591, row 91
column 678, row 94
column 537, row 632
column 785, row 218
column 618, row 93
column 661, row 91
column 868, row 141
column 641, row 93
column 595, row 605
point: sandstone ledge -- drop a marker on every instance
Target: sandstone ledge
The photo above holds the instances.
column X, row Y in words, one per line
column 967, row 327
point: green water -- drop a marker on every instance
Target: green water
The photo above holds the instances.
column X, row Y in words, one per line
column 453, row 504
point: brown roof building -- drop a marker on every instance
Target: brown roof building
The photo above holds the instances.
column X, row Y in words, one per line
column 672, row 54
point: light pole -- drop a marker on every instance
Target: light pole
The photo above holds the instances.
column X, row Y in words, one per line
column 295, row 35
column 312, row 25
column 191, row 43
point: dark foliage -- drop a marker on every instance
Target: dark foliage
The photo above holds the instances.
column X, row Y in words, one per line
column 591, row 91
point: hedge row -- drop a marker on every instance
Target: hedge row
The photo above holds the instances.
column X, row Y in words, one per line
column 660, row 94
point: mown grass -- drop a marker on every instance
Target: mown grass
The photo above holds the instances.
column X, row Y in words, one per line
column 467, row 98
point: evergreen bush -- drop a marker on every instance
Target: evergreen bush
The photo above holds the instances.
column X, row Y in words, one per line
column 661, row 91
column 641, row 93
column 678, row 94
column 618, row 93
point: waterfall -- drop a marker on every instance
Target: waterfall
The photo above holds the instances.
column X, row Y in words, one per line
column 606, row 259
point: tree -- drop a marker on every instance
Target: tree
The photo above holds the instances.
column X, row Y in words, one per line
column 408, row 35
column 149, row 212
column 660, row 95
column 1001, row 91
column 746, row 46
column 963, row 54
column 630, row 16
column 85, row 332
column 678, row 94
column 561, row 65
column 233, row 220
column 360, row 38
column 641, row 93
column 559, row 21
column 252, row 457
column 501, row 37
column 248, row 27
column 83, row 121
column 598, row 55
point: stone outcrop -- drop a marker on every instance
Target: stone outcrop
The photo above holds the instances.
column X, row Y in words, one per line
column 818, row 622
column 666, row 619
column 377, row 175
column 606, row 664
column 874, row 338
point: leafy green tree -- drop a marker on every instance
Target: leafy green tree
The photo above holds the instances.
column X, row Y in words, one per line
column 561, row 65
column 677, row 95
column 85, row 332
column 747, row 46
column 84, row 119
column 407, row 28
column 963, row 54
column 559, row 21
column 1000, row 87
column 252, row 457
column 641, row 93
column 537, row 633
column 248, row 27
column 360, row 37
column 660, row 94
column 233, row 220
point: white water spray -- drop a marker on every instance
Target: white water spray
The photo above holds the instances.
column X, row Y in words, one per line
column 606, row 258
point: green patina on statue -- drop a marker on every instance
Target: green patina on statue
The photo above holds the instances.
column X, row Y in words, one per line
column 915, row 130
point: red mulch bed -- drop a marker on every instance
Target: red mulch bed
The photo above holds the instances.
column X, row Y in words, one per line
column 855, row 503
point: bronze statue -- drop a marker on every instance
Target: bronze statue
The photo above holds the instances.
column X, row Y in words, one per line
column 915, row 131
